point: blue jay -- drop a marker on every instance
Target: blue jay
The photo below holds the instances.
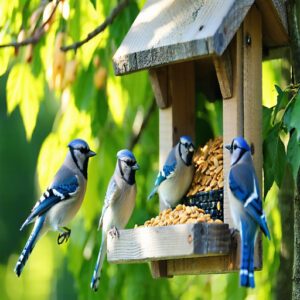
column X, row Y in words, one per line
column 118, row 205
column 61, row 201
column 174, row 180
column 245, row 205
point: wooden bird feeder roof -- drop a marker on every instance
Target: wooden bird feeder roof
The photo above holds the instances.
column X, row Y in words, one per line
column 169, row 31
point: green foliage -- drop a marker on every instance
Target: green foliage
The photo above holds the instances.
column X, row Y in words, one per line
column 281, row 132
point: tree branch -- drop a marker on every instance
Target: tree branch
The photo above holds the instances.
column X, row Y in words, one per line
column 109, row 20
column 37, row 34
column 136, row 137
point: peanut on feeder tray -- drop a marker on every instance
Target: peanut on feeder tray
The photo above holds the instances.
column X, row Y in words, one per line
column 208, row 162
column 181, row 214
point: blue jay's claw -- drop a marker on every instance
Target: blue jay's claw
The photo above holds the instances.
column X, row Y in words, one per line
column 95, row 283
column 114, row 232
column 64, row 237
column 234, row 232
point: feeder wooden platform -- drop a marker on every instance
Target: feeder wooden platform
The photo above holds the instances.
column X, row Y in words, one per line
column 144, row 244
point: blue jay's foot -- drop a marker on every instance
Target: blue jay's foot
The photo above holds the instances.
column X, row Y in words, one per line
column 114, row 233
column 234, row 233
column 64, row 236
column 95, row 283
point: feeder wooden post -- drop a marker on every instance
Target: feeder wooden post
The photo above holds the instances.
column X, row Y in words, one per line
column 174, row 90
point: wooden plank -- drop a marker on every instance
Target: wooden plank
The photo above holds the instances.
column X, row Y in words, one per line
column 159, row 243
column 274, row 22
column 252, row 90
column 233, row 113
column 224, row 73
column 179, row 119
column 159, row 82
column 165, row 32
column 199, row 265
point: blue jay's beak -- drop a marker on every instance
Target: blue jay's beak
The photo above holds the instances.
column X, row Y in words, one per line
column 135, row 167
column 91, row 153
column 228, row 147
column 191, row 148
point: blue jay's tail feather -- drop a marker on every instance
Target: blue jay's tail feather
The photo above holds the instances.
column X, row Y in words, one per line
column 97, row 271
column 29, row 245
column 154, row 191
column 247, row 264
column 264, row 226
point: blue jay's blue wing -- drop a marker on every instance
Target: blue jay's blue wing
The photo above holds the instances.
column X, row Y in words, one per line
column 56, row 193
column 244, row 186
column 112, row 193
column 167, row 172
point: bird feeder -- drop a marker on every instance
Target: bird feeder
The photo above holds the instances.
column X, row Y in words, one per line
column 223, row 43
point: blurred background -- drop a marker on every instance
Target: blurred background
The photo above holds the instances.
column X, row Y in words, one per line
column 43, row 107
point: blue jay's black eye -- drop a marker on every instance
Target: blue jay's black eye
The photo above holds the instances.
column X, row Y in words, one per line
column 235, row 147
column 130, row 163
column 83, row 150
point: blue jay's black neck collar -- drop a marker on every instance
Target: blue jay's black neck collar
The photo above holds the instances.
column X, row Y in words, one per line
column 188, row 158
column 241, row 154
column 128, row 176
column 85, row 163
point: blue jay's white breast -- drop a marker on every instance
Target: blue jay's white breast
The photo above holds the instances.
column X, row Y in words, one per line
column 119, row 212
column 174, row 188
column 236, row 209
column 63, row 212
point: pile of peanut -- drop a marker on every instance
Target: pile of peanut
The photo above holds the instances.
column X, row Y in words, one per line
column 181, row 214
column 208, row 163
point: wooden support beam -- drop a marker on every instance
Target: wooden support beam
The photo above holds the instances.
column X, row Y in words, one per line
column 252, row 90
column 233, row 113
column 224, row 73
column 179, row 118
column 159, row 82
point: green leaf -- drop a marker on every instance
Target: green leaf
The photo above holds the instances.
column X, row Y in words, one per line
column 282, row 101
column 274, row 159
column 293, row 154
column 292, row 115
column 25, row 90
column 267, row 115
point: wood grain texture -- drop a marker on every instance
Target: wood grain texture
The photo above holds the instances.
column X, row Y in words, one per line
column 233, row 114
column 252, row 90
column 224, row 73
column 274, row 22
column 160, row 86
column 178, row 119
column 159, row 243
column 168, row 31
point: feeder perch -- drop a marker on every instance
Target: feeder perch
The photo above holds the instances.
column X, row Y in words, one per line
column 216, row 46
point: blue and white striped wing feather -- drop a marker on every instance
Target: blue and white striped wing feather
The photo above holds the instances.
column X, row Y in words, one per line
column 244, row 186
column 166, row 173
column 53, row 195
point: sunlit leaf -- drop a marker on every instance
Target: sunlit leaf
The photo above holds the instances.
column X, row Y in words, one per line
column 117, row 99
column 25, row 90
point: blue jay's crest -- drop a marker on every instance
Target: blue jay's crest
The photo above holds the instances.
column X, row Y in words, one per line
column 185, row 139
column 78, row 143
column 241, row 143
column 124, row 153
